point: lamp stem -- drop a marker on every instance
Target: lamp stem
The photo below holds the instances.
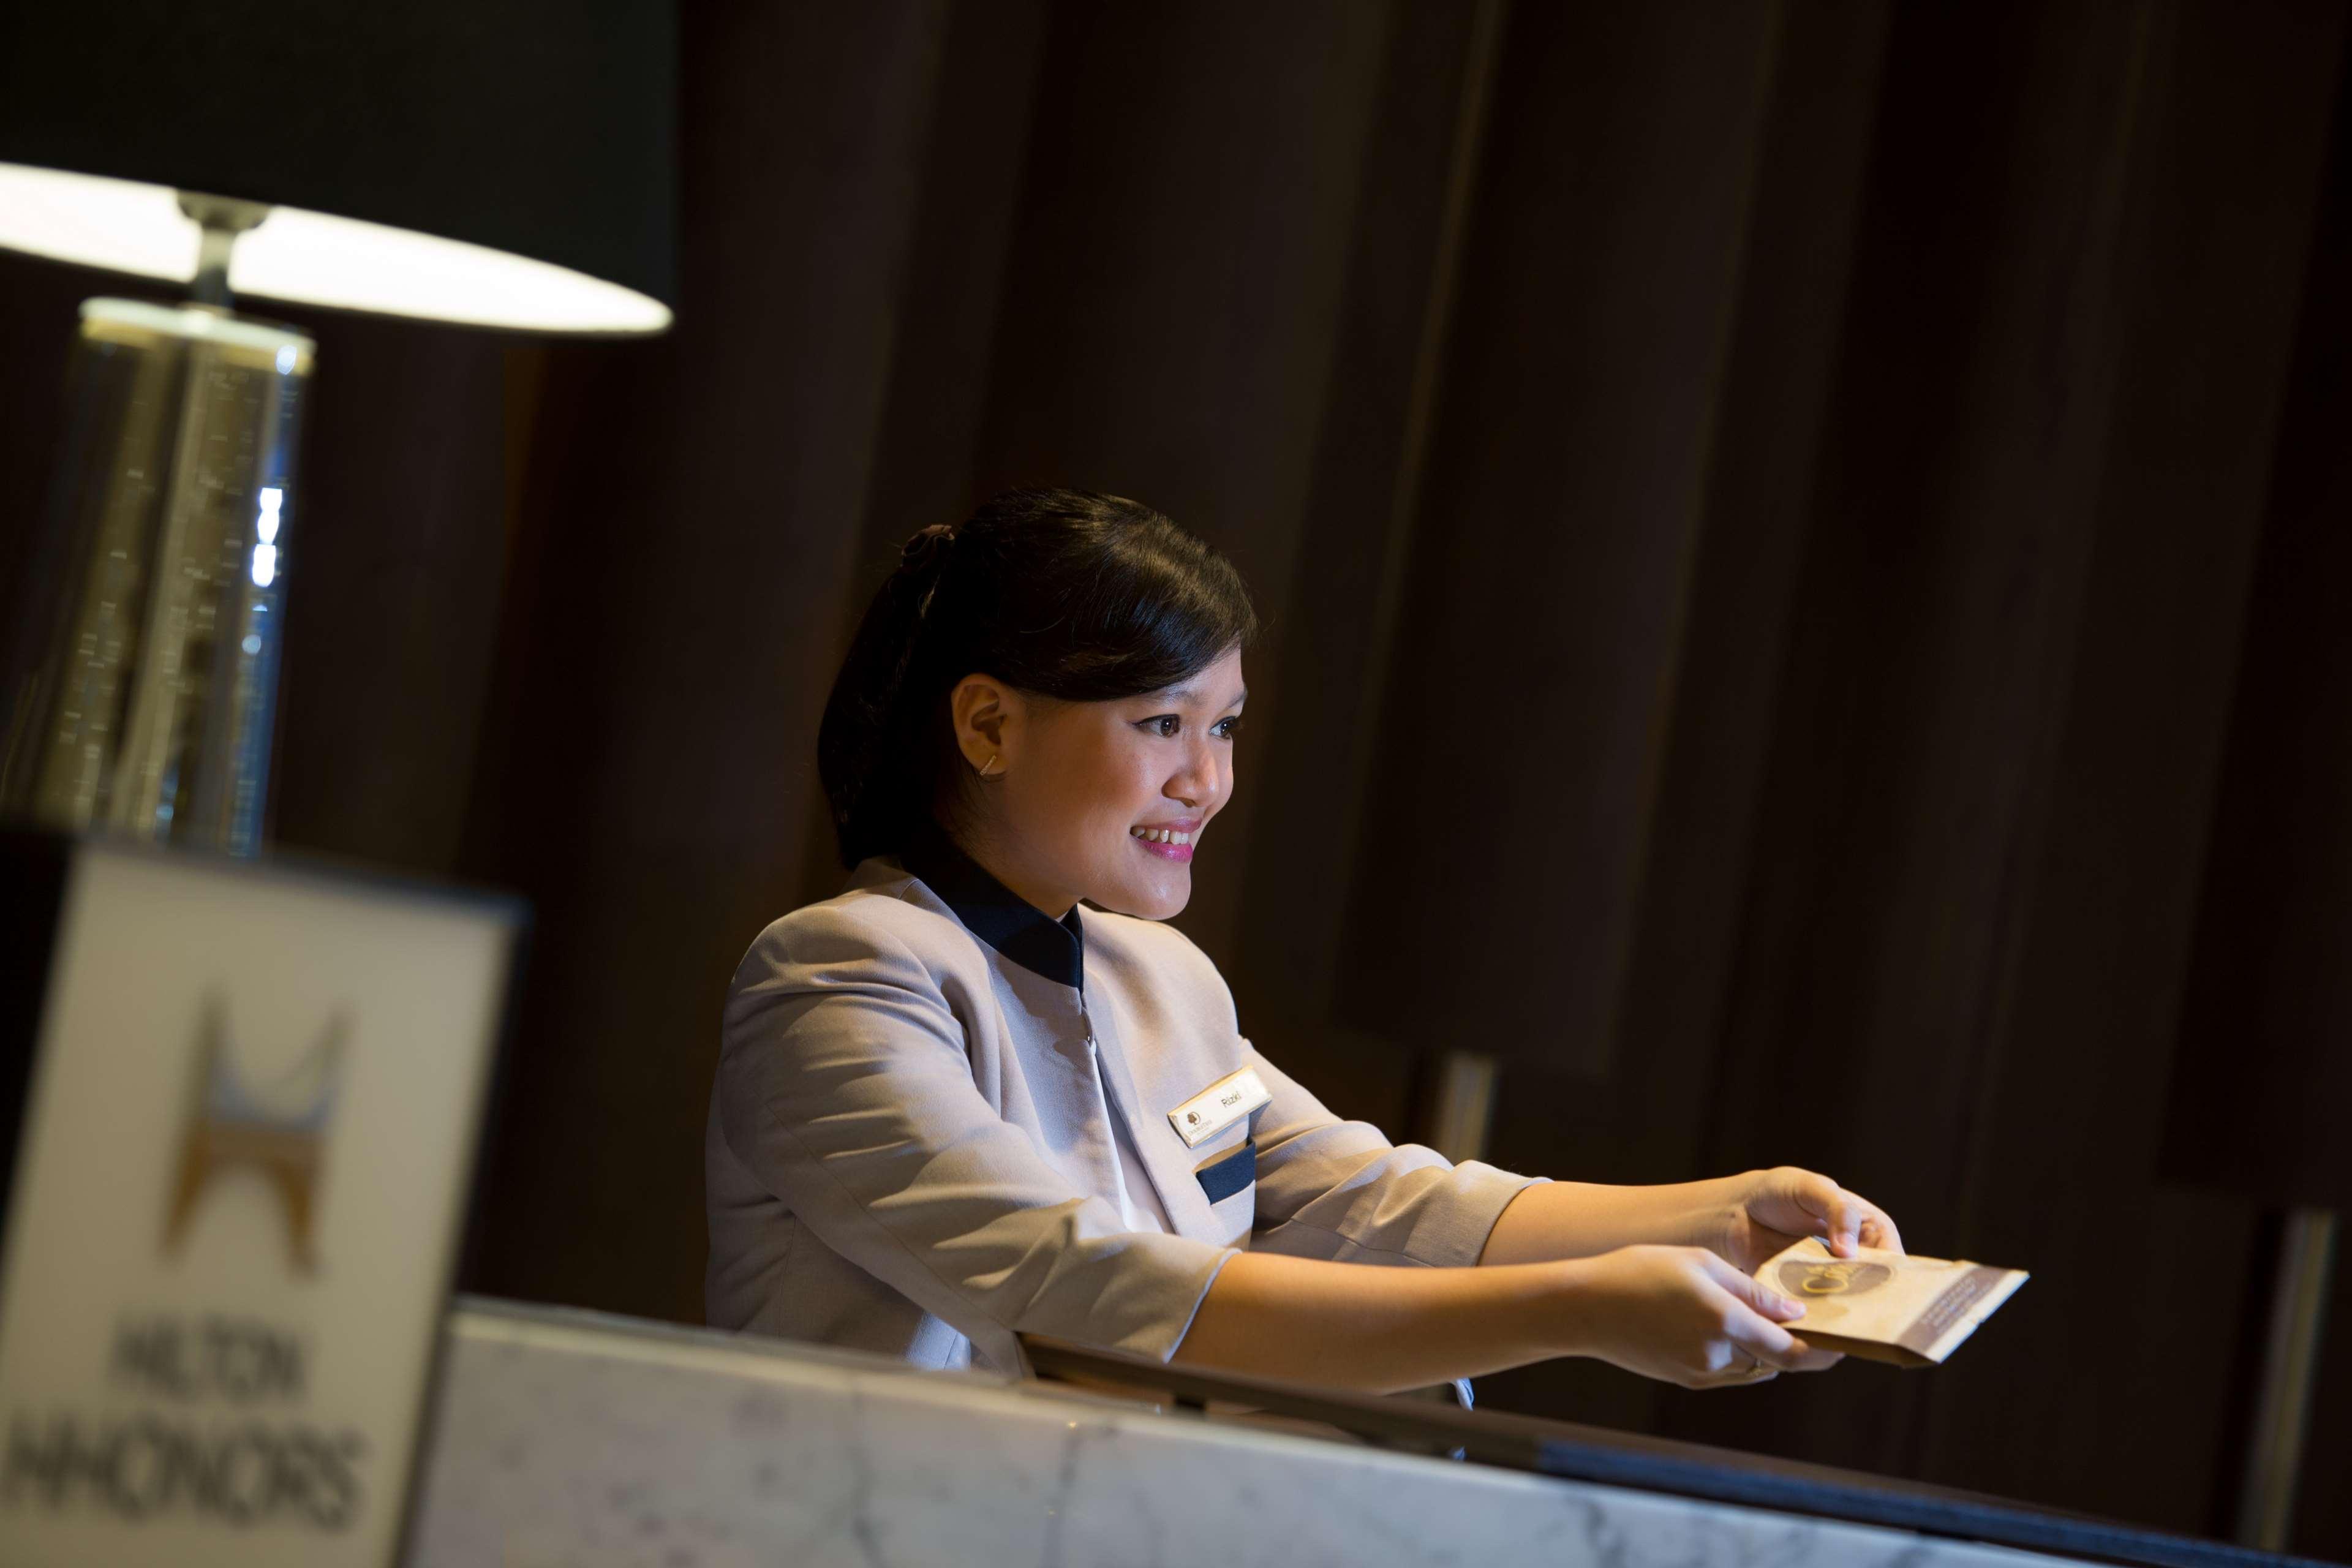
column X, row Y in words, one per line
column 223, row 219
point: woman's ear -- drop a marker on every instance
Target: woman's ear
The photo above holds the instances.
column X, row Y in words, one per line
column 987, row 716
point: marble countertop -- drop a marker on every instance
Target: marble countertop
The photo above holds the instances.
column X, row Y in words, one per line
column 576, row 1440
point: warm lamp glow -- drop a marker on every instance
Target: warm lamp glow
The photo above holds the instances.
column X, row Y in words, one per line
column 311, row 259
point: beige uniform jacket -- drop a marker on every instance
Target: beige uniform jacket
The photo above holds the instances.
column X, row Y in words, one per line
column 908, row 1151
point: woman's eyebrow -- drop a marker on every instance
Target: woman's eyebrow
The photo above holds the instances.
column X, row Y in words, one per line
column 1188, row 692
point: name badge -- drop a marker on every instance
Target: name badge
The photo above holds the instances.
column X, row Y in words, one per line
column 1218, row 1107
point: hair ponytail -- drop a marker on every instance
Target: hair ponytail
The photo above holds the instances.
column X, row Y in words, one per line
column 861, row 715
column 1065, row 594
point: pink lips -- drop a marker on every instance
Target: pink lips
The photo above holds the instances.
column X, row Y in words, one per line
column 1179, row 853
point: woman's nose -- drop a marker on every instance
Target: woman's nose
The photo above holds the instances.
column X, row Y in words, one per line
column 1201, row 783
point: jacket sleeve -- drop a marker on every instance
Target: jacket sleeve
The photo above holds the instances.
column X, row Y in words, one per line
column 1338, row 1190
column 845, row 1089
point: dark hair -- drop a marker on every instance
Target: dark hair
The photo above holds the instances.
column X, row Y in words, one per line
column 1062, row 594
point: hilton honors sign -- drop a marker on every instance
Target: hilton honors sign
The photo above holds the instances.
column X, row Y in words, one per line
column 245, row 1101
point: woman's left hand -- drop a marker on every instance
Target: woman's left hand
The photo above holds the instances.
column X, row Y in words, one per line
column 1771, row 1210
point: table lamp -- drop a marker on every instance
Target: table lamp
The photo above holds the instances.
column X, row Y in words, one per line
column 239, row 1095
column 504, row 166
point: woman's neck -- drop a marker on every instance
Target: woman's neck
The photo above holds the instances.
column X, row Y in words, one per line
column 993, row 857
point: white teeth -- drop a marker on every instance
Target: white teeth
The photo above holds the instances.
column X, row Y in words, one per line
column 1160, row 835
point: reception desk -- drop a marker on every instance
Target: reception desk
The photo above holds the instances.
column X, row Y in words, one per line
column 578, row 1439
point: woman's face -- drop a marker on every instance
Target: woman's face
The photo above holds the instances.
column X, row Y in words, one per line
column 1104, row 801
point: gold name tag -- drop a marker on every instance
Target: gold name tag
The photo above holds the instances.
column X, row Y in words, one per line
column 1229, row 1100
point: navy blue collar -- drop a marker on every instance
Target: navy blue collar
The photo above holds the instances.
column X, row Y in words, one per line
column 996, row 914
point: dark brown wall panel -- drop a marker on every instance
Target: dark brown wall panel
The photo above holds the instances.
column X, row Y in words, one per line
column 2227, row 175
column 2265, row 1070
column 1903, row 802
column 1310, row 760
column 1520, row 736
column 2006, row 713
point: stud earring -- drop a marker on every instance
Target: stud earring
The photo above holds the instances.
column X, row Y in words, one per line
column 990, row 768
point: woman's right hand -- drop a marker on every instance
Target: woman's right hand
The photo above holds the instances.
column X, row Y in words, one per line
column 1683, row 1315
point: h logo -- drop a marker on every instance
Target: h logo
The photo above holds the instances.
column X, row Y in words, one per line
column 280, row 1131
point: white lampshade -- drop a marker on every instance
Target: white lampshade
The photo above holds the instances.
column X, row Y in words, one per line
column 313, row 258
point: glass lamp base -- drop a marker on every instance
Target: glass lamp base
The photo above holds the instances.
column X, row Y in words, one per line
column 145, row 679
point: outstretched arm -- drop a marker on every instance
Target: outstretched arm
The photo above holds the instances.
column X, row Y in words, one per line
column 1743, row 1219
column 1677, row 1313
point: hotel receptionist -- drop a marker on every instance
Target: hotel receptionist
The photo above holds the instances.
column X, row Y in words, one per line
column 953, row 1106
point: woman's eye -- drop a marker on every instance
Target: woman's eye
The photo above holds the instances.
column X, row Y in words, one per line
column 1164, row 726
column 1228, row 728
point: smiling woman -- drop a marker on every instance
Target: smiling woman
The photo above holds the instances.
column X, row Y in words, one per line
column 952, row 1109
column 1111, row 795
